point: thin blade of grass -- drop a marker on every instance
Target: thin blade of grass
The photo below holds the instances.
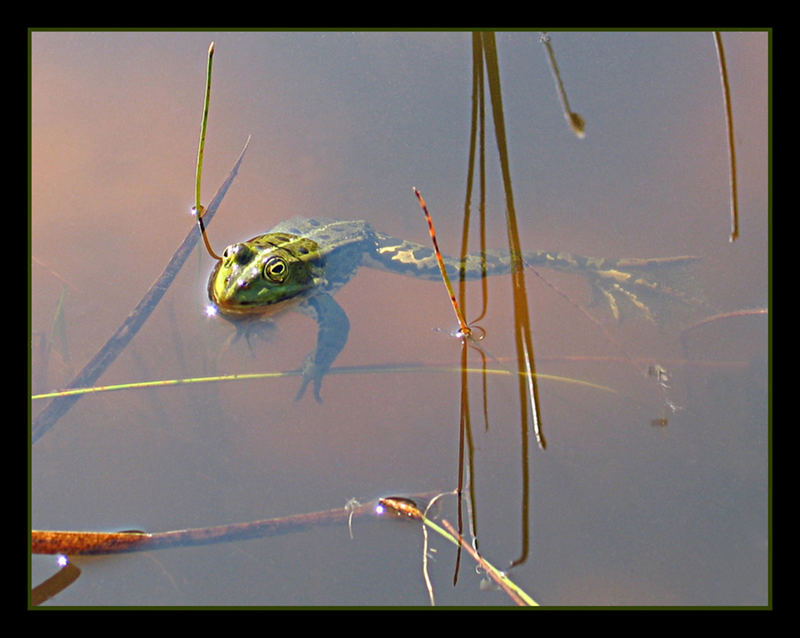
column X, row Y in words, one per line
column 392, row 369
column 726, row 96
column 406, row 507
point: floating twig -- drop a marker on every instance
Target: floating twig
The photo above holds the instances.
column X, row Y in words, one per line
column 76, row 542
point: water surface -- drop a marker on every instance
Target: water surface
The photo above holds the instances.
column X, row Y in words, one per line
column 343, row 125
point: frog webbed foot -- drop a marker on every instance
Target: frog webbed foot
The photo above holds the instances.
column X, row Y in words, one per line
column 656, row 289
column 311, row 372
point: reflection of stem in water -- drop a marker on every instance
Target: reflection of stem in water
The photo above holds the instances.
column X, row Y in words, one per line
column 56, row 338
column 521, row 318
column 466, row 448
column 485, row 50
column 478, row 119
column 522, row 329
column 117, row 342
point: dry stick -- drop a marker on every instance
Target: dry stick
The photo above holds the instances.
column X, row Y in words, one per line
column 106, row 355
column 726, row 94
column 57, row 583
column 75, row 542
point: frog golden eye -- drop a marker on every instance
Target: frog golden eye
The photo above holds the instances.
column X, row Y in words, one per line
column 275, row 269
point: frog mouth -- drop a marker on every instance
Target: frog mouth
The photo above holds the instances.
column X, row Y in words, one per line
column 253, row 309
column 226, row 305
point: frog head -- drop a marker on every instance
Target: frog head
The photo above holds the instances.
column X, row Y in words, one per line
column 264, row 275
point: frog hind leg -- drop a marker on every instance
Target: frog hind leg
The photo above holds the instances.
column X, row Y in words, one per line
column 649, row 287
column 334, row 327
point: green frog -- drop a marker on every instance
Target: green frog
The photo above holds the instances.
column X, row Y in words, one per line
column 301, row 263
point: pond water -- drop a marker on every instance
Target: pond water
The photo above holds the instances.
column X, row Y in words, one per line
column 620, row 511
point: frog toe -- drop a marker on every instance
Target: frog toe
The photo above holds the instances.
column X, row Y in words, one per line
column 301, row 392
column 311, row 372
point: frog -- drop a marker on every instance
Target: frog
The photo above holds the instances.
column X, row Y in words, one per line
column 300, row 264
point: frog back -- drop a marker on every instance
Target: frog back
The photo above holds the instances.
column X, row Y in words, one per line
column 342, row 245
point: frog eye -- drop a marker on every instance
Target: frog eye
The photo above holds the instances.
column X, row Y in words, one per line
column 275, row 269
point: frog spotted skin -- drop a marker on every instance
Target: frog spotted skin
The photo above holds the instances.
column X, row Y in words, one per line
column 265, row 274
column 301, row 263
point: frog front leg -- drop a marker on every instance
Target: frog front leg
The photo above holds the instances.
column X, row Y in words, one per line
column 334, row 326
